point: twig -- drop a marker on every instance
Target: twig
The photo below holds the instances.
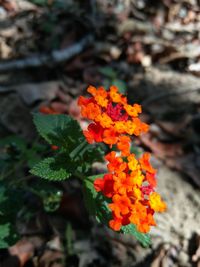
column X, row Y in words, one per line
column 169, row 94
column 54, row 58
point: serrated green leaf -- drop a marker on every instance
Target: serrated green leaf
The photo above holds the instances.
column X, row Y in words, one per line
column 144, row 239
column 53, row 169
column 60, row 130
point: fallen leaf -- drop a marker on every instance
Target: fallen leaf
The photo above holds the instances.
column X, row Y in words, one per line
column 159, row 149
column 23, row 249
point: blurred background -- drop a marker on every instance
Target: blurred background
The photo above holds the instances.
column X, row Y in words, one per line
column 50, row 51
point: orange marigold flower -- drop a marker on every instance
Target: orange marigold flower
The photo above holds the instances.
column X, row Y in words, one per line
column 156, row 202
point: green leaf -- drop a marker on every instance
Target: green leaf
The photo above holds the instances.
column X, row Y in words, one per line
column 144, row 239
column 8, row 211
column 3, row 196
column 103, row 213
column 54, row 169
column 39, row 2
column 96, row 203
column 15, row 140
column 4, row 232
column 60, row 130
column 32, row 157
column 7, row 236
column 90, row 194
column 121, row 85
column 108, row 72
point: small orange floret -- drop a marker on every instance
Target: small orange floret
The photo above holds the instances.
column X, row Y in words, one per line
column 151, row 178
column 94, row 133
column 91, row 111
column 132, row 162
column 115, row 224
column 82, row 101
column 123, row 183
column 114, row 162
column 101, row 97
column 105, row 185
column 120, row 205
column 123, row 144
column 104, row 120
column 110, row 136
column 134, row 110
column 156, row 203
column 92, row 90
column 114, row 95
column 145, row 163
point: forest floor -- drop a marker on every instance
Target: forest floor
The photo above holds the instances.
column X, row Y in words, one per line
column 50, row 51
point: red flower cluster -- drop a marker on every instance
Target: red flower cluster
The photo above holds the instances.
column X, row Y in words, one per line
column 131, row 182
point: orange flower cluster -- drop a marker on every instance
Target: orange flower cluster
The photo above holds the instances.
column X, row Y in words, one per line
column 113, row 117
column 130, row 183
